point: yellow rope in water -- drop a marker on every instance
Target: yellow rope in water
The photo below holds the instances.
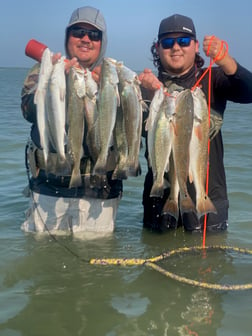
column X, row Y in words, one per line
column 150, row 262
column 120, row 262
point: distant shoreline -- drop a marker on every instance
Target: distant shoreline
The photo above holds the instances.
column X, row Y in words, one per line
column 13, row 67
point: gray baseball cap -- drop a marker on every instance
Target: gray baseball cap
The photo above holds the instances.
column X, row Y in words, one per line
column 177, row 24
column 88, row 15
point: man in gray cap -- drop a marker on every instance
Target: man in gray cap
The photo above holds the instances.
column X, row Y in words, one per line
column 55, row 206
column 176, row 56
column 86, row 37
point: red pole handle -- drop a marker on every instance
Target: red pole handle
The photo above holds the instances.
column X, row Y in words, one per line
column 35, row 49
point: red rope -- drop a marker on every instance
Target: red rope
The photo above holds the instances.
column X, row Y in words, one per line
column 208, row 151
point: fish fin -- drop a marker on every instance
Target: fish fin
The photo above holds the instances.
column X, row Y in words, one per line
column 190, row 177
column 204, row 206
column 144, row 105
column 174, row 128
column 117, row 96
column 198, row 132
column 36, row 96
column 171, row 207
column 147, row 124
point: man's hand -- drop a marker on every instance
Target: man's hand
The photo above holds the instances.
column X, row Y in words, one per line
column 149, row 81
column 68, row 63
column 96, row 74
column 217, row 50
column 214, row 47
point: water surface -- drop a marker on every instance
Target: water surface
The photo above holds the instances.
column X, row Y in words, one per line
column 46, row 290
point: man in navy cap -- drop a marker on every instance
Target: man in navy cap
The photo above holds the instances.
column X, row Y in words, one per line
column 176, row 56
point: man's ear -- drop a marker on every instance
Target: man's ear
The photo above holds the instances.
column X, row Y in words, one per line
column 197, row 46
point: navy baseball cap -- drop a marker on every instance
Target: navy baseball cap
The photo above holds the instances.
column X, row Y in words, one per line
column 177, row 24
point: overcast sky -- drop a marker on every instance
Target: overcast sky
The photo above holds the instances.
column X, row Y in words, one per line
column 132, row 26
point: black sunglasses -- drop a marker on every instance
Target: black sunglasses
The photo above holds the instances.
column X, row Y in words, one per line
column 93, row 35
column 168, row 42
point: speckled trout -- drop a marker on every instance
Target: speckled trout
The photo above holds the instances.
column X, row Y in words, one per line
column 130, row 121
column 56, row 115
column 108, row 102
column 40, row 99
column 76, row 91
column 160, row 139
column 183, row 125
column 153, row 115
column 199, row 153
column 91, row 114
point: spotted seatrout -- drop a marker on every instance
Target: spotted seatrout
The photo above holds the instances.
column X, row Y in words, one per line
column 183, row 125
column 160, row 140
column 56, row 115
column 199, row 153
column 76, row 92
column 108, row 102
column 40, row 99
column 129, row 118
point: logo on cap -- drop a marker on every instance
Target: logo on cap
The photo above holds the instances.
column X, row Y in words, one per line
column 187, row 29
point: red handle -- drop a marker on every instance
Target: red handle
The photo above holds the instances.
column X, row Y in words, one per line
column 35, row 49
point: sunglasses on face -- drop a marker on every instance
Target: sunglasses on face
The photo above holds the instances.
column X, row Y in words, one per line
column 93, row 35
column 168, row 42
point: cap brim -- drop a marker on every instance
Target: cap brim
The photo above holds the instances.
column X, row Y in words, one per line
column 176, row 32
column 81, row 21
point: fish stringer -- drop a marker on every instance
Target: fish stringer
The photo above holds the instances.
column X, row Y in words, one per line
column 224, row 46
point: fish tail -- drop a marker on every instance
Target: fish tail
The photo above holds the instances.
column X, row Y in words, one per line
column 134, row 169
column 63, row 167
column 171, row 207
column 62, row 158
column 187, row 205
column 119, row 174
column 75, row 179
column 204, row 206
column 100, row 167
column 157, row 190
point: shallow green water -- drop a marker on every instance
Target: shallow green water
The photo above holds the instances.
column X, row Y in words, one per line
column 46, row 290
